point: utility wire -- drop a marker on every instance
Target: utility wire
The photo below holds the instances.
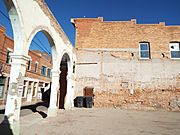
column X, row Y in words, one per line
column 34, row 46
column 42, row 45
column 39, row 46
column 5, row 15
column 44, row 49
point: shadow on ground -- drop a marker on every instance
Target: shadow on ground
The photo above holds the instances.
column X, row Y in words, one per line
column 40, row 108
column 5, row 128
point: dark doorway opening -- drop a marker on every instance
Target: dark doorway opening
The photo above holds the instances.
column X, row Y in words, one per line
column 63, row 83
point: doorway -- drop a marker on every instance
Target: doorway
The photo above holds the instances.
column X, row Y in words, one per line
column 63, row 83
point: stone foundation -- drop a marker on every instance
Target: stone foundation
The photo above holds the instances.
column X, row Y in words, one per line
column 140, row 100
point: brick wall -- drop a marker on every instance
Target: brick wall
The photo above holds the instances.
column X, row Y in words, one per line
column 108, row 60
column 96, row 33
column 42, row 59
column 5, row 45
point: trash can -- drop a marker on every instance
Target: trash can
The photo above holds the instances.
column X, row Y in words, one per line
column 88, row 101
column 79, row 101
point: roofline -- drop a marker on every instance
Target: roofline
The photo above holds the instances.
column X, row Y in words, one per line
column 2, row 27
column 133, row 20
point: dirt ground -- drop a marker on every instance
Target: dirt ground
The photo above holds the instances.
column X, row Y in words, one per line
column 107, row 121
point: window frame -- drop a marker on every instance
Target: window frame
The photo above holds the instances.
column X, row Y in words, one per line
column 36, row 67
column 2, row 85
column 49, row 72
column 8, row 57
column 29, row 65
column 44, row 71
column 148, row 45
column 170, row 44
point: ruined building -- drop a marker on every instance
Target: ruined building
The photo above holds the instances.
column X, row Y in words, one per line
column 128, row 64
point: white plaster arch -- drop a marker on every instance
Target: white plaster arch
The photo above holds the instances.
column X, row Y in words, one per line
column 70, row 91
column 38, row 18
column 65, row 52
column 27, row 18
column 17, row 24
column 45, row 30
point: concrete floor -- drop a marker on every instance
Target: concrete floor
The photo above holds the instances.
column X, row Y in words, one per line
column 99, row 122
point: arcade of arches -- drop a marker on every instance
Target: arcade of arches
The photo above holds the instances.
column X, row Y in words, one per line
column 24, row 31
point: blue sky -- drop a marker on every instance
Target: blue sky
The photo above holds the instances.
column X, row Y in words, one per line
column 145, row 11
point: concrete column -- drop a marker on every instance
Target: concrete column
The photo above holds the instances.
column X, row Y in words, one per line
column 52, row 110
column 26, row 88
column 36, row 89
column 47, row 87
column 69, row 97
column 30, row 92
column 13, row 103
column 6, row 87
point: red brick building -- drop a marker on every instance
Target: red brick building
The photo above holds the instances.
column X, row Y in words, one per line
column 128, row 64
column 38, row 72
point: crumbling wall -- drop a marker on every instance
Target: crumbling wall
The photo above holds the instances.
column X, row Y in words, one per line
column 140, row 100
column 108, row 60
column 122, row 79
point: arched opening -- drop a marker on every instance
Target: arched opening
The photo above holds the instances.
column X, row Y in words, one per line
column 37, row 80
column 27, row 62
column 64, row 69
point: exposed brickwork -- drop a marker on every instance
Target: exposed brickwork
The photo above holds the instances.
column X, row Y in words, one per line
column 140, row 100
column 108, row 60
column 42, row 59
column 96, row 33
column 5, row 45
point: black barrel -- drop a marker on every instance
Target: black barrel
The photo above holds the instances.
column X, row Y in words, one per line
column 88, row 101
column 79, row 101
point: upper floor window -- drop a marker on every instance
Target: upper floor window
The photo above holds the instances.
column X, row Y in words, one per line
column 8, row 59
column 175, row 50
column 49, row 73
column 2, row 86
column 29, row 65
column 36, row 67
column 43, row 70
column 144, row 50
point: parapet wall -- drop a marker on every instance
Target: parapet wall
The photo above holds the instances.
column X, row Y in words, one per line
column 96, row 33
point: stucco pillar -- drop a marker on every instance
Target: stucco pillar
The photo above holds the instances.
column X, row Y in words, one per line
column 13, row 103
column 30, row 92
column 52, row 110
column 70, row 93
column 26, row 89
column 36, row 89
